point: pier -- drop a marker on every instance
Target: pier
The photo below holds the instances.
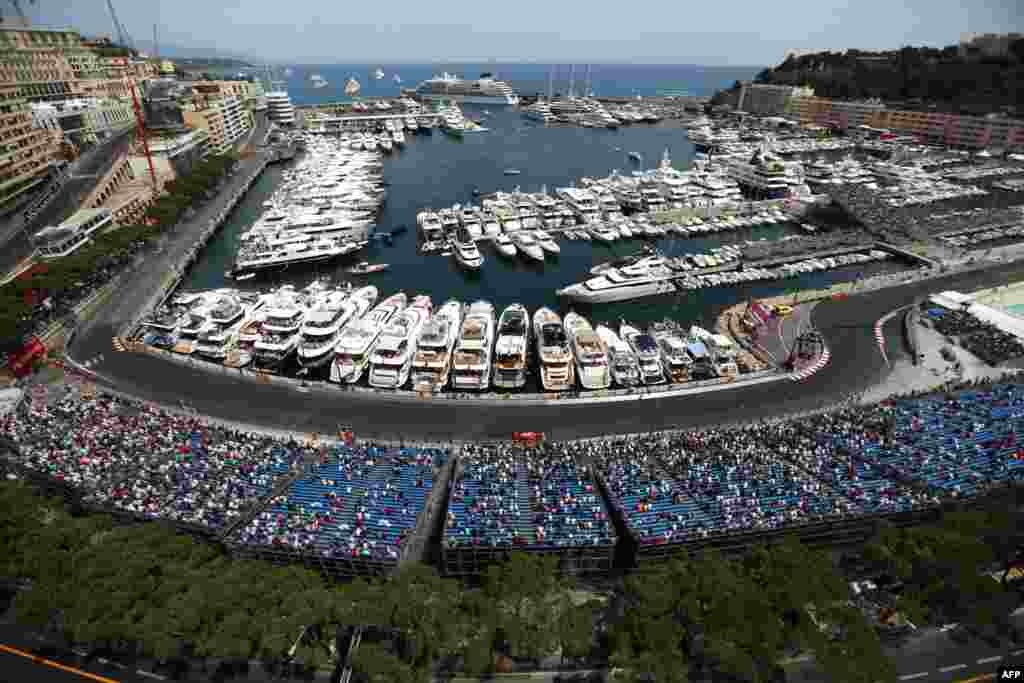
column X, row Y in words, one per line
column 175, row 277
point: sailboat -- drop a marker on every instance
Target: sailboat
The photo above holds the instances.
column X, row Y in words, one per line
column 398, row 79
column 379, row 73
column 352, row 87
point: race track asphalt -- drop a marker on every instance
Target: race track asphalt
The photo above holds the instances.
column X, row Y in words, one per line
column 848, row 328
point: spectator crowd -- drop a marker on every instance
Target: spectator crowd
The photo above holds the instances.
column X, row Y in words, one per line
column 982, row 339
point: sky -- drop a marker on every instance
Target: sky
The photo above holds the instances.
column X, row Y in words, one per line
column 738, row 33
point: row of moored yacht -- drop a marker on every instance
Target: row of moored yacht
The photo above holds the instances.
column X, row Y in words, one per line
column 398, row 343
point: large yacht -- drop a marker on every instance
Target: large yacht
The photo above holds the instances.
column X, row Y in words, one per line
column 624, row 366
column 527, row 245
column 352, row 352
column 431, row 226
column 556, row 364
column 484, row 90
column 674, row 355
column 721, row 349
column 511, row 348
column 539, row 111
column 703, row 363
column 392, row 357
column 324, row 323
column 279, row 336
column 226, row 319
column 765, row 176
column 257, row 254
column 466, row 252
column 582, row 202
column 647, row 354
column 165, row 325
column 471, row 361
column 647, row 277
column 431, row 364
column 590, row 352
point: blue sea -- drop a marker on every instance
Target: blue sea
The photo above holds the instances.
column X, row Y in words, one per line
column 605, row 80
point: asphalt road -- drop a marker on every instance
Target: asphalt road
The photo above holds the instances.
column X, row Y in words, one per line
column 846, row 325
column 85, row 172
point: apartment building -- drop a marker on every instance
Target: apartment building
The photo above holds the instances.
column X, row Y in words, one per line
column 225, row 120
column 769, row 100
column 84, row 120
column 935, row 127
column 182, row 150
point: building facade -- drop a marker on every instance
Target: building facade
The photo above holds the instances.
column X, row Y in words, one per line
column 183, row 151
column 769, row 100
column 954, row 130
column 225, row 120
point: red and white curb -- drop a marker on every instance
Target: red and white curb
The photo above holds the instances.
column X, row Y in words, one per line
column 813, row 369
column 880, row 338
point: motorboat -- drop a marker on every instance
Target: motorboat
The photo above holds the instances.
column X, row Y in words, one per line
column 366, row 268
column 590, row 352
column 720, row 348
column 431, row 363
column 392, row 357
column 356, row 343
column 527, row 245
column 430, row 225
column 466, row 252
column 470, row 220
column 648, row 277
column 625, row 368
column 546, row 242
column 602, row 232
column 553, row 350
column 673, row 347
column 503, row 243
column 632, row 259
column 324, row 323
column 280, row 334
column 703, row 363
column 471, row 361
column 164, row 326
column 648, row 354
column 226, row 318
column 490, row 222
column 511, row 348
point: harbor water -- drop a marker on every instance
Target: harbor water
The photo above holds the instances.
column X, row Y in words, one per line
column 438, row 170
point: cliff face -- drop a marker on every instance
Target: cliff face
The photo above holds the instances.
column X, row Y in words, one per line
column 947, row 78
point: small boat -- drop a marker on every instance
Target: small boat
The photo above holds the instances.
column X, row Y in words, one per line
column 634, row 156
column 618, row 149
column 365, row 268
column 503, row 243
column 247, row 276
column 512, row 171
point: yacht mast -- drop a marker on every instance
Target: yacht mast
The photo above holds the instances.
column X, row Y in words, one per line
column 572, row 77
column 549, row 84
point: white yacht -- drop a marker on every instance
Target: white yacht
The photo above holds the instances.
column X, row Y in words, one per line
column 503, row 243
column 470, row 220
column 527, row 245
column 225, row 320
column 647, row 354
column 323, row 325
column 471, row 361
column 279, row 336
column 721, row 349
column 352, row 352
column 432, row 362
column 430, row 225
column 466, row 252
column 392, row 357
column 546, row 242
column 266, row 252
column 166, row 323
column 553, row 351
column 511, row 348
column 703, row 363
column 674, row 354
column 647, row 277
column 582, row 202
column 602, row 232
column 624, row 366
column 590, row 352
column 490, row 223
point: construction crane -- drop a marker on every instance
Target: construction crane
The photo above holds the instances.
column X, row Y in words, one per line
column 18, row 8
column 122, row 35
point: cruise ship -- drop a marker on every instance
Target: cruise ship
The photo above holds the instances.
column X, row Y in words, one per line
column 432, row 362
column 511, row 348
column 484, row 90
column 647, row 277
column 355, row 345
column 392, row 357
column 647, row 353
column 324, row 323
column 624, row 366
column 471, row 361
column 553, row 350
column 590, row 352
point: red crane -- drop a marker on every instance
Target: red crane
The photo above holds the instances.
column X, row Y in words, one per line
column 140, row 122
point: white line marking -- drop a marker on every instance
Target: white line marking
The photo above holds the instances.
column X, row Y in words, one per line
column 954, row 667
column 909, row 677
column 150, row 674
column 989, row 660
column 1017, row 653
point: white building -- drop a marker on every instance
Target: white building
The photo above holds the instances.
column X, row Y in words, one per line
column 60, row 240
column 225, row 120
column 280, row 108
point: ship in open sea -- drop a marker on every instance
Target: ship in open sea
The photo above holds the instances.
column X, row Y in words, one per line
column 484, row 90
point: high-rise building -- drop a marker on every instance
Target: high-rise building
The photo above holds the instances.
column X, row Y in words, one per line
column 224, row 119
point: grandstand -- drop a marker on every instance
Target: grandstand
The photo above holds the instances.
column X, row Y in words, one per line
column 350, row 515
column 507, row 498
column 364, row 509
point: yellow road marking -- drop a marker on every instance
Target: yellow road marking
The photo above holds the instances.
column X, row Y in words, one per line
column 56, row 665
